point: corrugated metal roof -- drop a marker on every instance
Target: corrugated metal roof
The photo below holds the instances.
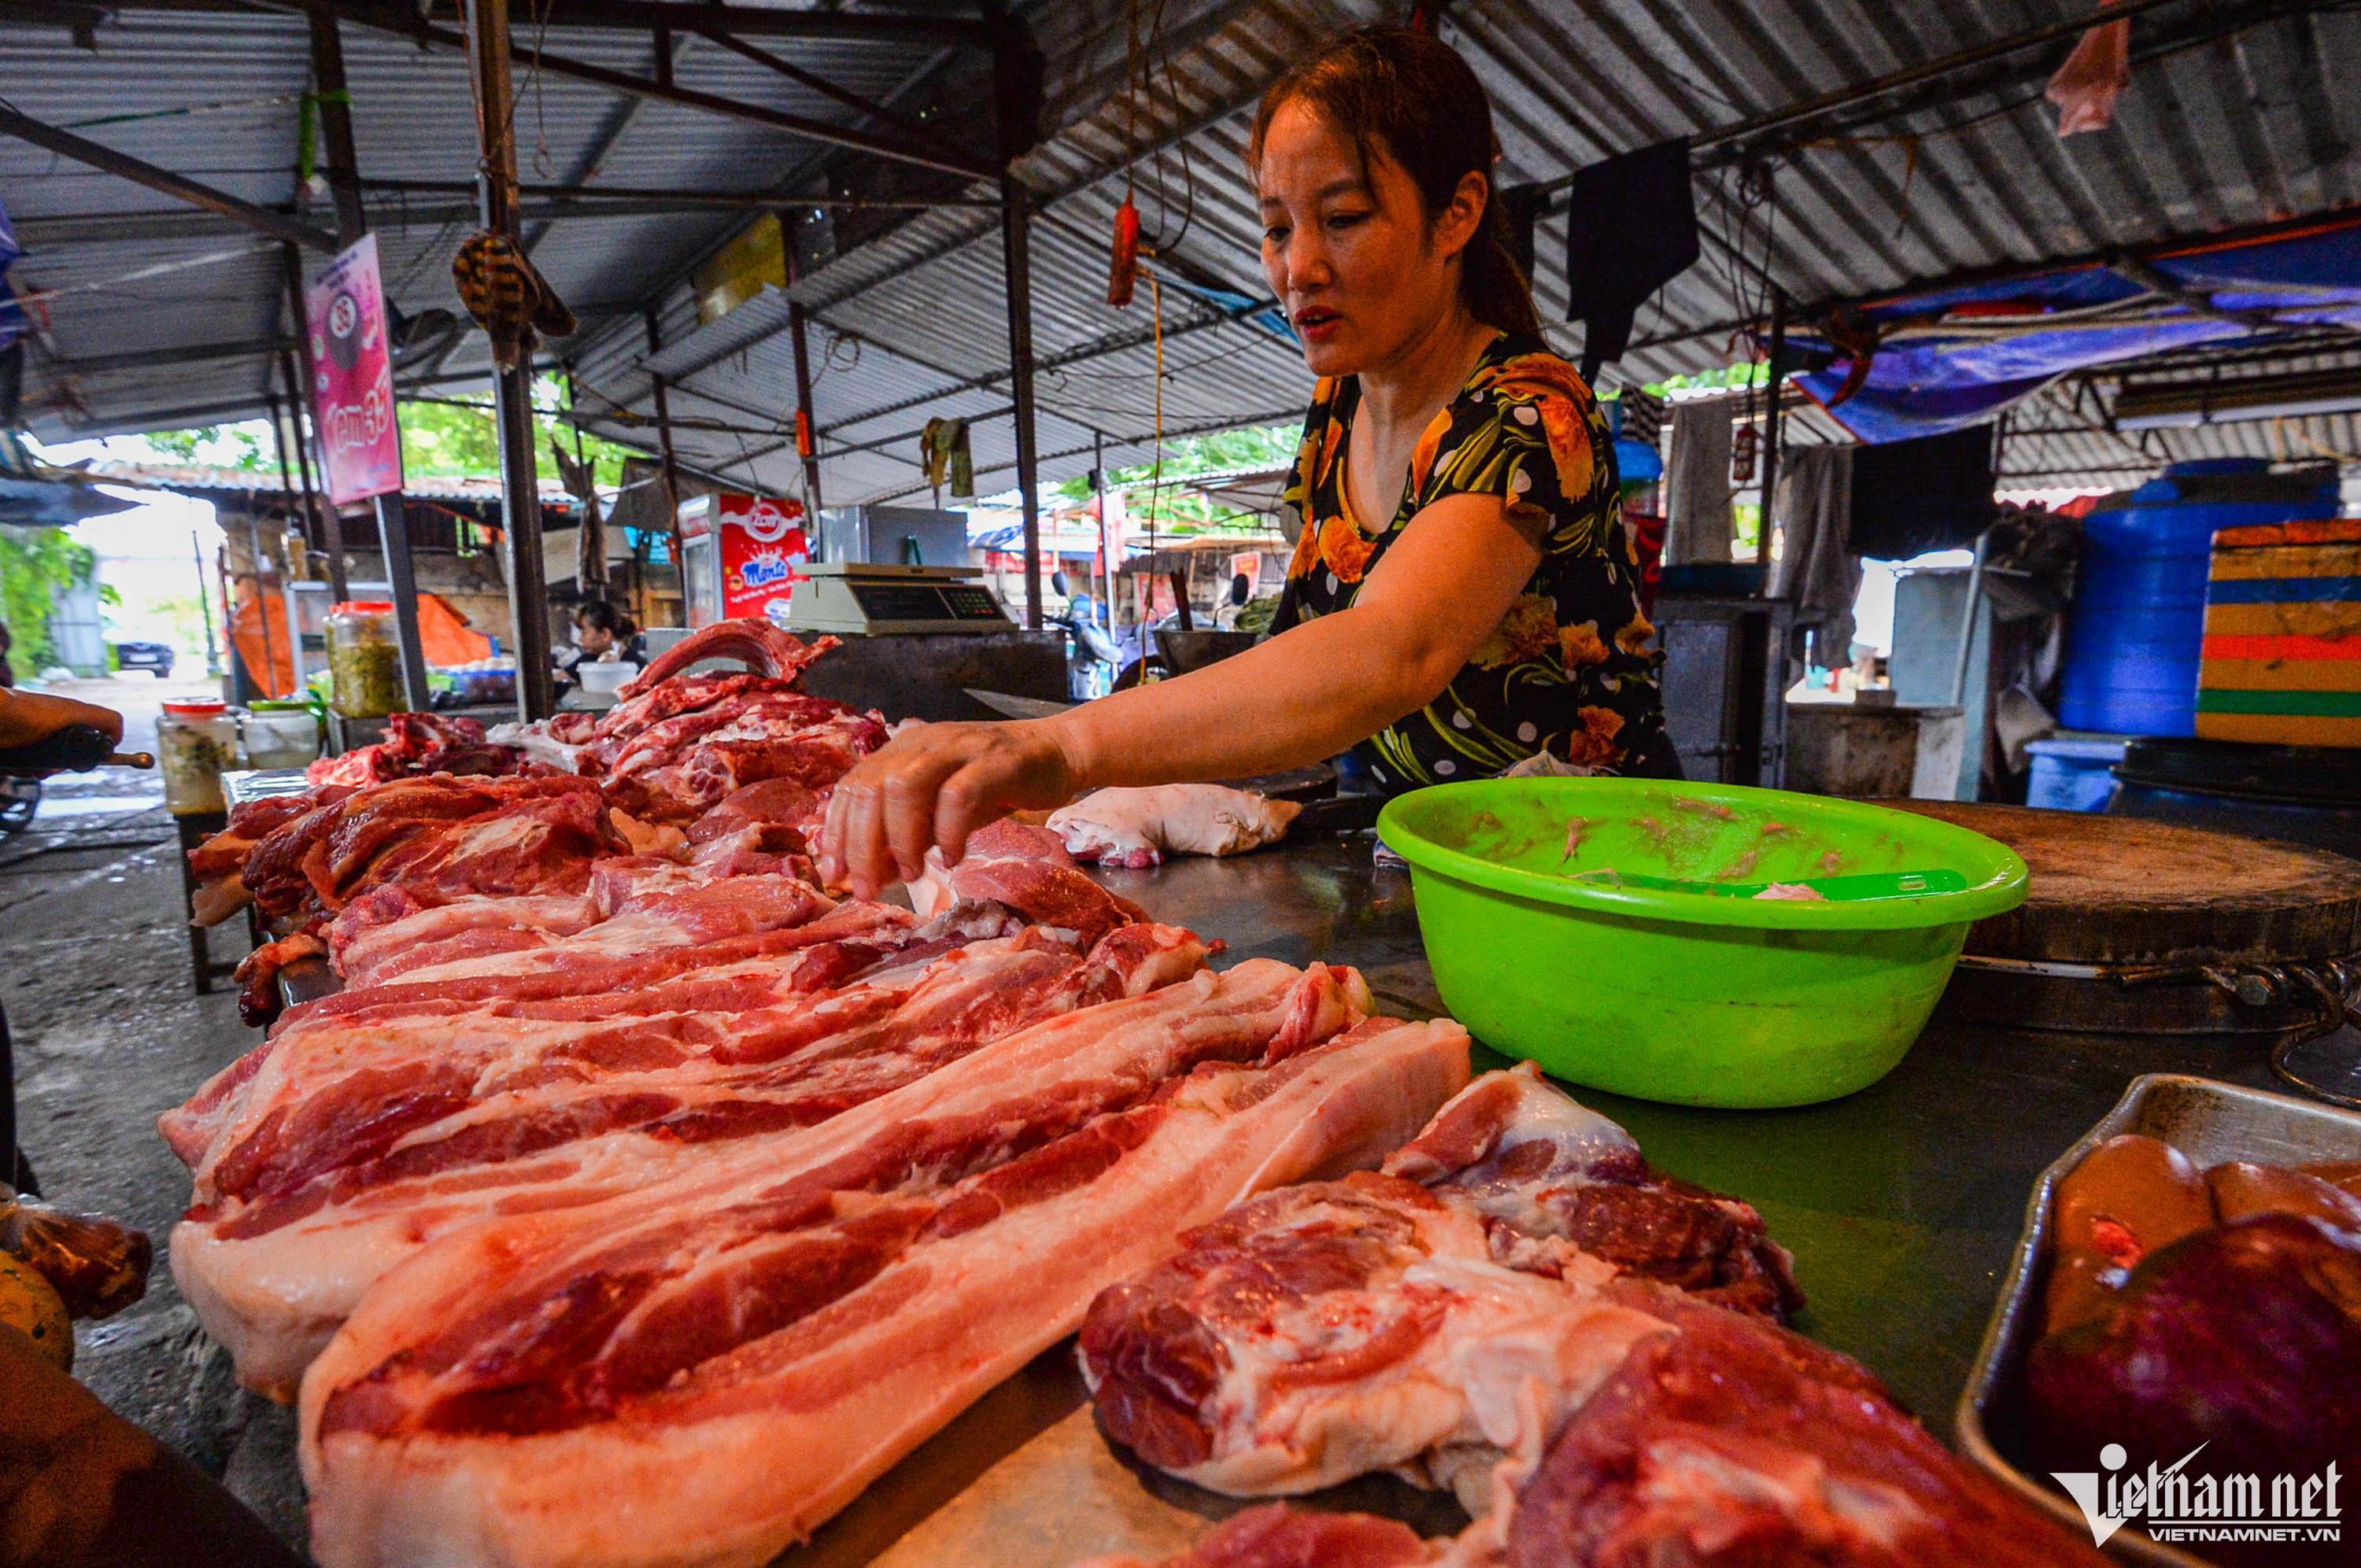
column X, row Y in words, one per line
column 2244, row 128
column 216, row 96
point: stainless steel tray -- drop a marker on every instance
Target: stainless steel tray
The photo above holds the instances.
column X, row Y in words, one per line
column 2209, row 1123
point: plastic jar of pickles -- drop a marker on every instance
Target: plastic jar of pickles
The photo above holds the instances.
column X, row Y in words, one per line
column 196, row 740
column 281, row 734
column 363, row 660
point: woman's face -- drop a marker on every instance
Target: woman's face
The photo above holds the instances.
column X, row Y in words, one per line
column 591, row 637
column 1361, row 272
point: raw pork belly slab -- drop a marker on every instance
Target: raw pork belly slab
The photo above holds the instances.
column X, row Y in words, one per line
column 1517, row 1309
column 437, row 837
column 633, row 955
column 387, row 933
column 551, row 1115
column 702, row 1371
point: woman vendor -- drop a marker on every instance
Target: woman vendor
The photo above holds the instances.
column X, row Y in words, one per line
column 601, row 632
column 1462, row 596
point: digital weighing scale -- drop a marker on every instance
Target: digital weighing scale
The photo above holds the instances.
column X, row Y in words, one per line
column 872, row 598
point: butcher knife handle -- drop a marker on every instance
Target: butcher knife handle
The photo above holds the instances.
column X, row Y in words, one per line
column 75, row 749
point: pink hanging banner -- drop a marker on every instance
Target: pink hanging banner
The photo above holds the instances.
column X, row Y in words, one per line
column 352, row 377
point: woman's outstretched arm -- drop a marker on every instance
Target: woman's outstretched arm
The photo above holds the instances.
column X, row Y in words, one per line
column 1437, row 592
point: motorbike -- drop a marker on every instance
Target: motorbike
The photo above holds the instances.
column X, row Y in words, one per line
column 19, row 799
column 1094, row 660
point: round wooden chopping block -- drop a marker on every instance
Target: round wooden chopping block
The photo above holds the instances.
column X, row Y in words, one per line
column 2121, row 890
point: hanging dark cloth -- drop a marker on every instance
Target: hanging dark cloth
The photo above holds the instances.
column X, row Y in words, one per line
column 1520, row 208
column 1630, row 228
column 1934, row 493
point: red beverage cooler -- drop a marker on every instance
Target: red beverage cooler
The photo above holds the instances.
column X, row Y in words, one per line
column 739, row 555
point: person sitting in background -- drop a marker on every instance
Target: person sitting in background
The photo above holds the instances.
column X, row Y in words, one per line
column 602, row 635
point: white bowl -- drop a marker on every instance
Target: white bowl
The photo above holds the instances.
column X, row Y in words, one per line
column 605, row 679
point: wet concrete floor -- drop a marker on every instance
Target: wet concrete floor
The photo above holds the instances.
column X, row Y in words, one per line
column 94, row 976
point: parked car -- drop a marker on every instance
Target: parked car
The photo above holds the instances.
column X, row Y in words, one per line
column 155, row 656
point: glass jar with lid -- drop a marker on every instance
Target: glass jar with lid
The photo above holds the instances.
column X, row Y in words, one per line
column 281, row 734
column 363, row 660
column 195, row 741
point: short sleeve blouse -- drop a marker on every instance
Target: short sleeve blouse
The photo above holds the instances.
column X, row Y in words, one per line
column 1570, row 670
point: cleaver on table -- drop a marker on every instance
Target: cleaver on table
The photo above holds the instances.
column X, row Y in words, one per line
column 1010, row 706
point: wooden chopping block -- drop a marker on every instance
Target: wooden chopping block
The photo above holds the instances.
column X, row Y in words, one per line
column 2124, row 892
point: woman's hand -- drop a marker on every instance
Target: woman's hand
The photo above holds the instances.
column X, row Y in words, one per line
column 934, row 783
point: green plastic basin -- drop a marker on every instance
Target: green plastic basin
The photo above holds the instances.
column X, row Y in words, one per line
column 1686, row 997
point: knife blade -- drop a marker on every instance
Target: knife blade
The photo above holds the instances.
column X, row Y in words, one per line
column 1010, row 705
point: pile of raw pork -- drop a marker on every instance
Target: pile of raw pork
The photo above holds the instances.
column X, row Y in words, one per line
column 637, row 1202
column 721, row 771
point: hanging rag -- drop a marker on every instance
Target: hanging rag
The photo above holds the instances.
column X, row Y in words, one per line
column 1630, row 228
column 580, row 480
column 508, row 297
column 1700, row 518
column 1815, row 567
column 2094, row 77
column 944, row 451
column 1643, row 416
column 1933, row 493
column 1522, row 207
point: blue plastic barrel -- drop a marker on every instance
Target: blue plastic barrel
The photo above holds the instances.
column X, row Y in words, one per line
column 2138, row 625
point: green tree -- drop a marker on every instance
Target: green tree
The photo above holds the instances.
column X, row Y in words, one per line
column 37, row 565
column 246, row 446
column 449, row 438
column 1149, row 489
column 458, row 438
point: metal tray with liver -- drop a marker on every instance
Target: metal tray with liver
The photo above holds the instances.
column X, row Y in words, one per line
column 2208, row 1121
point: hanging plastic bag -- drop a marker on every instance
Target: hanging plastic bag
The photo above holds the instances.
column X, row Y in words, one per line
column 2094, row 77
column 97, row 1266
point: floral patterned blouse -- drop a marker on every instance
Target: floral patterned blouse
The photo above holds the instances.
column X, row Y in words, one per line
column 1569, row 670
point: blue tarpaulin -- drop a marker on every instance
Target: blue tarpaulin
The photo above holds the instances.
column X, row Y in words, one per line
column 1944, row 359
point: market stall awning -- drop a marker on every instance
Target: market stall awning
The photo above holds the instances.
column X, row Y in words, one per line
column 1921, row 364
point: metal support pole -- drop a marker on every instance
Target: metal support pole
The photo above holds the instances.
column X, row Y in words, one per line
column 287, row 506
column 1774, row 424
column 1107, row 537
column 806, row 423
column 1015, row 259
column 205, row 603
column 296, row 370
column 336, row 121
column 487, row 56
column 1015, row 112
column 352, row 223
column 671, row 463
